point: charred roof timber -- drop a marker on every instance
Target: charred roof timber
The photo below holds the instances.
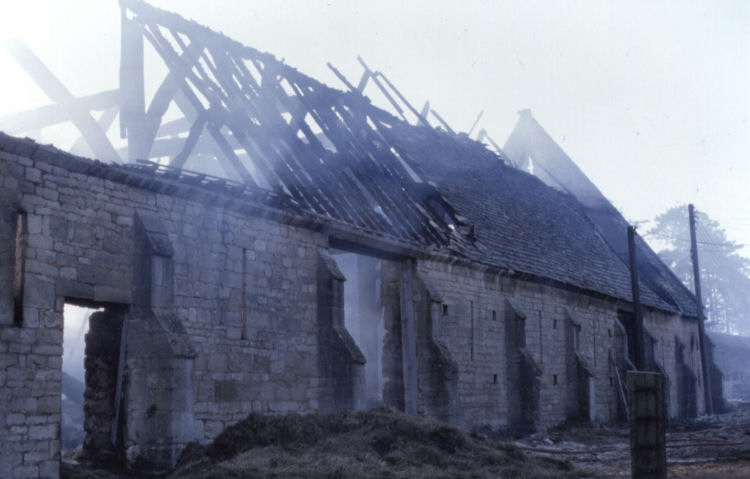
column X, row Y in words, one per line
column 250, row 118
column 233, row 119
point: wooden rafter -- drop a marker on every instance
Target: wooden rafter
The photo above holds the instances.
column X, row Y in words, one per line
column 58, row 93
column 49, row 115
column 330, row 153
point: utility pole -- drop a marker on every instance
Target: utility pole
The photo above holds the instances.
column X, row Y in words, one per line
column 648, row 453
column 699, row 305
column 640, row 356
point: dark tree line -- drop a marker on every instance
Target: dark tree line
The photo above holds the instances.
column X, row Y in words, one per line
column 725, row 275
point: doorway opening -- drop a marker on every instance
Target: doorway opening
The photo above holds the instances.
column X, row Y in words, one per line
column 363, row 316
column 91, row 376
column 75, row 327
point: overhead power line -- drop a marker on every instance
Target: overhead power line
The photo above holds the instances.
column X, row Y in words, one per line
column 706, row 243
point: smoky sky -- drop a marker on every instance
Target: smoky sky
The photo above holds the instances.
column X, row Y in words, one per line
column 649, row 98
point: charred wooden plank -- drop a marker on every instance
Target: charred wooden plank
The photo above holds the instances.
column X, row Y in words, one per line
column 341, row 77
column 443, row 122
column 401, row 97
column 229, row 160
column 132, row 80
column 382, row 88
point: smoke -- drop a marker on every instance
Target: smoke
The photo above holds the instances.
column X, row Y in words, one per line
column 75, row 327
column 363, row 317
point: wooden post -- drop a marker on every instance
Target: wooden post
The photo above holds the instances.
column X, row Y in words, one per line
column 132, row 86
column 640, row 356
column 118, row 384
column 474, row 125
column 699, row 307
column 648, row 454
column 408, row 339
column 443, row 122
column 423, row 114
column 374, row 76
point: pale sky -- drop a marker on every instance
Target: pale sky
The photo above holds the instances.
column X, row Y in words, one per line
column 650, row 98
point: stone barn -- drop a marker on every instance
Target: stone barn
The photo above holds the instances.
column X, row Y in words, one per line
column 532, row 149
column 288, row 247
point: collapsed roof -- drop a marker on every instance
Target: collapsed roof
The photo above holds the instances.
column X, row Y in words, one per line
column 290, row 140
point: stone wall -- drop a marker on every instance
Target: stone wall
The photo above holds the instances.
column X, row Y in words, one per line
column 228, row 310
column 244, row 292
column 30, row 355
column 101, row 364
column 245, row 289
column 473, row 320
column 670, row 331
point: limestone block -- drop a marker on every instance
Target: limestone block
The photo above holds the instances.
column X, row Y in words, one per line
column 45, row 431
column 38, row 292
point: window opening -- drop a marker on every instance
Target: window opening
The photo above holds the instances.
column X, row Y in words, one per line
column 243, row 296
column 18, row 279
column 628, row 323
column 471, row 314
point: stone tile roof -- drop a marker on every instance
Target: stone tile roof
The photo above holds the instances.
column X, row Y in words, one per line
column 555, row 168
column 519, row 222
column 504, row 218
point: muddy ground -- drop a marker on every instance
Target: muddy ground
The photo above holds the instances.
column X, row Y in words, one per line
column 708, row 447
column 385, row 443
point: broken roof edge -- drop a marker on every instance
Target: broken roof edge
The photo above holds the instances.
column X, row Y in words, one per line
column 417, row 248
column 145, row 179
column 140, row 7
column 511, row 148
column 223, row 194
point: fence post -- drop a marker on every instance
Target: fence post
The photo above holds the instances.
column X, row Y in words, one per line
column 647, row 425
